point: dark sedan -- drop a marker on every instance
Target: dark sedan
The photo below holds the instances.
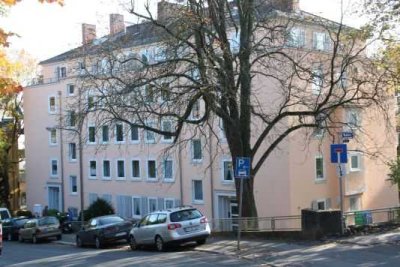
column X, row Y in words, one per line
column 105, row 229
column 11, row 227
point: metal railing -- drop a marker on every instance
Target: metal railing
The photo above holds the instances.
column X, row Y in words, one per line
column 374, row 216
column 261, row 224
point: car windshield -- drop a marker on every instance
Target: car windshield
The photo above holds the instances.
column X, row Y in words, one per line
column 20, row 222
column 110, row 220
column 185, row 215
column 48, row 221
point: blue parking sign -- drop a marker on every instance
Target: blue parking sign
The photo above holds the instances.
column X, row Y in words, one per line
column 242, row 169
column 338, row 153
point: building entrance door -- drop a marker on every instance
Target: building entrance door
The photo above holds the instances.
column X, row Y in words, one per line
column 234, row 214
column 54, row 197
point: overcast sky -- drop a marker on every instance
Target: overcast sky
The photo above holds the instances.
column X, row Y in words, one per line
column 47, row 30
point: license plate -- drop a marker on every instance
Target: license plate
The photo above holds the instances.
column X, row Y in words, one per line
column 120, row 234
column 191, row 229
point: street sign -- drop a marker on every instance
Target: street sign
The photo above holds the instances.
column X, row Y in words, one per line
column 347, row 135
column 339, row 153
column 242, row 169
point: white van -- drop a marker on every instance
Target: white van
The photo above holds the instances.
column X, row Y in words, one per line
column 4, row 213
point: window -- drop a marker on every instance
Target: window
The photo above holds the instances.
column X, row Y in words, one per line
column 197, row 190
column 92, row 134
column 355, row 162
column 319, row 168
column 151, row 169
column 197, row 154
column 72, row 151
column 353, row 119
column 165, row 92
column 73, row 184
column 91, row 102
column 341, row 78
column 92, row 169
column 119, row 133
column 134, row 134
column 195, row 114
column 167, row 127
column 135, row 169
column 152, row 202
column 54, row 168
column 234, row 41
column 354, row 203
column 321, row 205
column 168, row 203
column 296, row 37
column 168, row 169
column 70, row 89
column 317, row 80
column 106, row 169
column 105, row 135
column 320, row 120
column 53, row 136
column 150, row 136
column 71, row 118
column 227, row 171
column 62, row 72
column 136, row 207
column 321, row 41
column 121, row 169
column 149, row 93
column 52, row 104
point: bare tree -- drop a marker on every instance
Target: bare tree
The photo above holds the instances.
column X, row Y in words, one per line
column 246, row 63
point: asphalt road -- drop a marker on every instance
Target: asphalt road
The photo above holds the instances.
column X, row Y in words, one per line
column 50, row 254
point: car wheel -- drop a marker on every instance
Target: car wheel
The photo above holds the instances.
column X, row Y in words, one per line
column 79, row 242
column 20, row 239
column 58, row 237
column 97, row 242
column 9, row 237
column 34, row 239
column 132, row 243
column 160, row 246
column 201, row 241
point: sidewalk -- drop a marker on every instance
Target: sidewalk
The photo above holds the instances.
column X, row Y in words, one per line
column 278, row 252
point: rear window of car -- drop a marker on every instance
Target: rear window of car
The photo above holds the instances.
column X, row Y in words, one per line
column 109, row 220
column 185, row 215
column 48, row 221
column 21, row 222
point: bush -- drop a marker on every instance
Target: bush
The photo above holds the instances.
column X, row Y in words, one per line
column 25, row 213
column 99, row 207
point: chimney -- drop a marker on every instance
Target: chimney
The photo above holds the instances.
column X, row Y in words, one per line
column 116, row 24
column 88, row 33
column 166, row 10
column 285, row 5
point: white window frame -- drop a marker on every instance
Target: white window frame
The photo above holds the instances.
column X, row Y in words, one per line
column 349, row 115
column 71, row 191
column 147, row 170
column 323, row 178
column 68, row 89
column 323, row 200
column 102, row 134
column 197, row 201
column 169, row 199
column 192, row 142
column 70, row 158
column 223, row 171
column 317, row 80
column 102, row 169
column 117, row 169
column 148, row 204
column 89, row 170
column 140, row 170
column 172, row 179
column 196, row 108
column 296, row 38
column 325, row 45
column 88, row 131
column 116, row 134
column 351, row 168
column 163, row 129
column 137, row 216
column 147, row 132
column 54, row 175
column 358, row 202
column 138, row 134
column 49, row 106
column 51, row 143
column 69, row 120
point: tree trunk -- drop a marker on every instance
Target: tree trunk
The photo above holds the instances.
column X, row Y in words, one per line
column 249, row 208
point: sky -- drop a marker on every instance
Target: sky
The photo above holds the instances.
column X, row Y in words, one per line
column 46, row 30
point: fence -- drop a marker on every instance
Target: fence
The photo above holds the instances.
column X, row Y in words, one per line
column 261, row 224
column 374, row 216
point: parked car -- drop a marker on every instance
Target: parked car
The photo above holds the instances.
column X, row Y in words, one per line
column 12, row 226
column 1, row 237
column 40, row 228
column 172, row 226
column 105, row 229
column 4, row 214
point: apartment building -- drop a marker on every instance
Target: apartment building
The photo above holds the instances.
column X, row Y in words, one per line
column 138, row 171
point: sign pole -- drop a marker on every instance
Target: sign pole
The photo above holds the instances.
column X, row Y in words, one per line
column 240, row 213
column 341, row 194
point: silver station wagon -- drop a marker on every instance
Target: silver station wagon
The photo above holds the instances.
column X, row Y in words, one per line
column 172, row 226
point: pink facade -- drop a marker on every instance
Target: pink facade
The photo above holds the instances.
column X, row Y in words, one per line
column 287, row 182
